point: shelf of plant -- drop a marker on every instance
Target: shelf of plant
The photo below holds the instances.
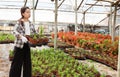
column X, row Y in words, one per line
column 6, row 38
column 60, row 45
column 37, row 40
column 50, row 63
column 81, row 54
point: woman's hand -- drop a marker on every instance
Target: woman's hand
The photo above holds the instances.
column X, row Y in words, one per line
column 24, row 39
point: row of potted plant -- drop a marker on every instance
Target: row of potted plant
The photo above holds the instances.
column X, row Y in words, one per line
column 80, row 53
column 60, row 45
column 35, row 39
column 102, row 58
column 50, row 63
column 90, row 41
column 6, row 38
column 77, row 53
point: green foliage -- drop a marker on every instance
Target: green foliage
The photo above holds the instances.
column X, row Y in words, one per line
column 41, row 30
column 6, row 37
column 50, row 60
column 47, row 60
column 11, row 53
column 35, row 36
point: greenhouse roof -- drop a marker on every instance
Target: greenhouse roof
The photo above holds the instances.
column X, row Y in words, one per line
column 95, row 10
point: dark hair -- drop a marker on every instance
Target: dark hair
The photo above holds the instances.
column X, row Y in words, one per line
column 23, row 9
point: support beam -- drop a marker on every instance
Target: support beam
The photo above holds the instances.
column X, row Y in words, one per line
column 60, row 4
column 76, row 17
column 55, row 29
column 110, row 21
column 119, row 4
column 102, row 20
column 110, row 1
column 91, row 6
column 98, row 5
column 53, row 10
column 36, row 4
column 116, row 3
column 33, row 11
column 118, row 66
column 81, row 20
column 80, row 5
column 25, row 3
column 85, row 13
column 114, row 23
column 84, row 22
column 109, row 24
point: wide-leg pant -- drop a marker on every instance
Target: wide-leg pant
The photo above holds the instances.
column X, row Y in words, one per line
column 22, row 57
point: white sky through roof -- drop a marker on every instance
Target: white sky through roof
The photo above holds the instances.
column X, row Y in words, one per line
column 48, row 15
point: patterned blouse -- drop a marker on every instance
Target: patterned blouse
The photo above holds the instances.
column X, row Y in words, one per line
column 19, row 29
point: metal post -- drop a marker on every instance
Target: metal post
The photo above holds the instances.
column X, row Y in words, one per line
column 84, row 22
column 75, row 17
column 118, row 67
column 4, row 26
column 114, row 23
column 33, row 12
column 110, row 21
column 55, row 32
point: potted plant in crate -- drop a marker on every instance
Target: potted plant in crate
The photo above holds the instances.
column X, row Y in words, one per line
column 11, row 55
column 32, row 38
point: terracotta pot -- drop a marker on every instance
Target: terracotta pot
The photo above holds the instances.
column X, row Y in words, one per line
column 97, row 74
column 108, row 76
column 10, row 58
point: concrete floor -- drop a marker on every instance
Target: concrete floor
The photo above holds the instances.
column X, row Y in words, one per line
column 4, row 60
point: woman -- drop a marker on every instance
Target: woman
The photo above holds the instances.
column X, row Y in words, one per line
column 22, row 54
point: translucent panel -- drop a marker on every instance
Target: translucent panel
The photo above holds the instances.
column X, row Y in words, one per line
column 95, row 10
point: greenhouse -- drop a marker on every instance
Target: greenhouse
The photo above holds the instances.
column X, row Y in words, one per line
column 59, row 38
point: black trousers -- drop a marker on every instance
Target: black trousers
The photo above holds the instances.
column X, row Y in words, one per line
column 22, row 57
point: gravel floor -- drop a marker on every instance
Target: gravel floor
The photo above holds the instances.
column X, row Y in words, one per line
column 103, row 69
column 5, row 63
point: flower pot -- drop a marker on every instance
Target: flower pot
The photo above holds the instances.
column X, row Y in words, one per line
column 10, row 58
column 97, row 74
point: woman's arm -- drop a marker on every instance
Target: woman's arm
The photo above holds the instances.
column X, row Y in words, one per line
column 15, row 32
column 19, row 34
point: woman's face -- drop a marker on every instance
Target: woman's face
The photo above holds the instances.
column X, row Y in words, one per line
column 26, row 14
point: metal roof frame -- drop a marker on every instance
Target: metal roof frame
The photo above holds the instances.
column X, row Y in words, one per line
column 114, row 3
